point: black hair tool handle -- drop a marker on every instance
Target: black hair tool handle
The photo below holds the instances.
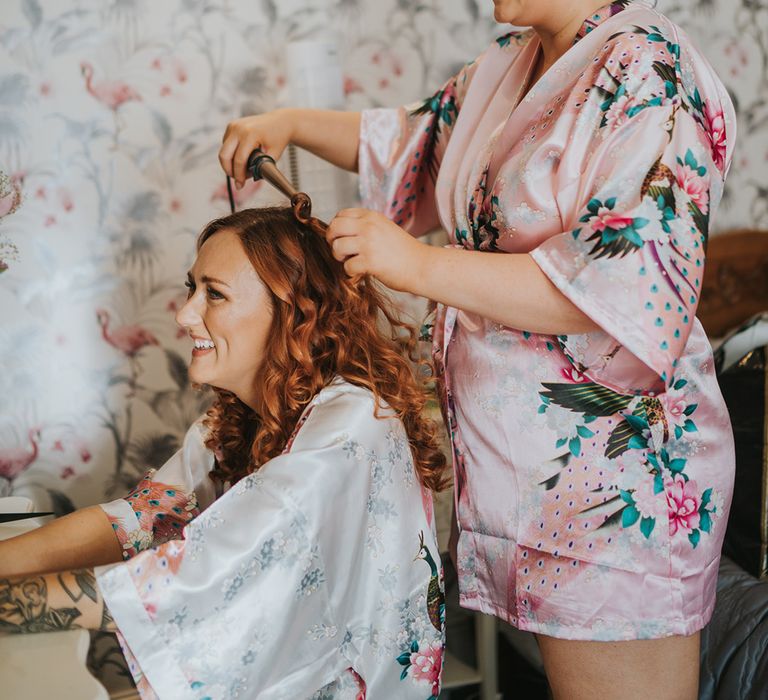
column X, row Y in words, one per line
column 262, row 166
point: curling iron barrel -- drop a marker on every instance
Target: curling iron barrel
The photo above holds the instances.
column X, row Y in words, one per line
column 262, row 166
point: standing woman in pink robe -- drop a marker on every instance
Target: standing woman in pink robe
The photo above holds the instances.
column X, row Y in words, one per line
column 593, row 453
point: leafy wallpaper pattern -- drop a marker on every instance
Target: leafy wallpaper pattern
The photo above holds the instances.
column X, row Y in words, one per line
column 110, row 118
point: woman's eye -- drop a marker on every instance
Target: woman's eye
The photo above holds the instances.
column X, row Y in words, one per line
column 190, row 288
column 213, row 294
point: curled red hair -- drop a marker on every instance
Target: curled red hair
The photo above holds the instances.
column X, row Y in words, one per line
column 324, row 325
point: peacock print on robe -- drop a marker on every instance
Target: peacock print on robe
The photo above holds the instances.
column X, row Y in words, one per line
column 594, row 470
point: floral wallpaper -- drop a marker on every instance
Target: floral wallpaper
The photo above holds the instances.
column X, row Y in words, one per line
column 110, row 118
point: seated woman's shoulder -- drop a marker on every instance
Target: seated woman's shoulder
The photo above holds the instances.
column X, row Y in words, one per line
column 350, row 408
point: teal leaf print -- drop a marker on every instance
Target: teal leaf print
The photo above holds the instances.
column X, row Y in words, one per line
column 689, row 426
column 694, row 538
column 630, row 515
column 574, row 445
column 637, row 443
column 646, row 526
column 677, row 465
column 638, row 423
column 705, row 521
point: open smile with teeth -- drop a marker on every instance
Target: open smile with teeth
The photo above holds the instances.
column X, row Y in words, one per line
column 201, row 344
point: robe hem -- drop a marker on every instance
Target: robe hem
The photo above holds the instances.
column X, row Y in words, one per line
column 133, row 622
column 585, row 633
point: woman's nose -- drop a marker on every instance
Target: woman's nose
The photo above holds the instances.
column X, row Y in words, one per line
column 188, row 316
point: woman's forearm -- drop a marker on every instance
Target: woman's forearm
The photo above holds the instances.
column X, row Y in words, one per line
column 63, row 601
column 507, row 288
column 331, row 135
column 79, row 540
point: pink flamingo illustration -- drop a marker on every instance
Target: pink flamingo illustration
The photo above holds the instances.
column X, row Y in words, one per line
column 15, row 460
column 127, row 339
column 112, row 94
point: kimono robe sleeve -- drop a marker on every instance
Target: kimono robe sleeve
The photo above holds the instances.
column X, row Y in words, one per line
column 257, row 600
column 634, row 259
column 400, row 153
column 166, row 499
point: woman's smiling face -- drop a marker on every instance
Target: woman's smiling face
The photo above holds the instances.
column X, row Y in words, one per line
column 228, row 314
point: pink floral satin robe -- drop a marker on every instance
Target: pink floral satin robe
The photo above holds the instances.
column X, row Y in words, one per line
column 593, row 472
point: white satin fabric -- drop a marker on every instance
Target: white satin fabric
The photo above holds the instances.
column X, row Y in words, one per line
column 307, row 579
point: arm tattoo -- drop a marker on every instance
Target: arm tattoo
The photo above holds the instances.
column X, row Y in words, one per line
column 87, row 583
column 25, row 604
column 24, row 607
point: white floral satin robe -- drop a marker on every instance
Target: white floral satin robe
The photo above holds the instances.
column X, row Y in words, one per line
column 593, row 471
column 316, row 577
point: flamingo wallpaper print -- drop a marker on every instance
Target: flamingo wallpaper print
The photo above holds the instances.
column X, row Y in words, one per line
column 110, row 118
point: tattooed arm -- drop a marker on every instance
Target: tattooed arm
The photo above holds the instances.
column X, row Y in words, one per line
column 64, row 601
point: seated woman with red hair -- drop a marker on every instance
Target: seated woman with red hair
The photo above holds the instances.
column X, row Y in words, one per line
column 287, row 550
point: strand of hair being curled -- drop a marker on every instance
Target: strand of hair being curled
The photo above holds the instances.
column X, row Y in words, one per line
column 324, row 325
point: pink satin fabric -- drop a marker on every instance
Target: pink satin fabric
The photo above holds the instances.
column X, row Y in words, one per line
column 593, row 472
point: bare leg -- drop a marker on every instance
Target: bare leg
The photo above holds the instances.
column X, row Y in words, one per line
column 662, row 669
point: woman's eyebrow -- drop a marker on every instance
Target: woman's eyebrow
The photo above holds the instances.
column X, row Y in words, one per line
column 206, row 279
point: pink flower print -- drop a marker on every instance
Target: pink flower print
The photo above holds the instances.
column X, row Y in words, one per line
column 426, row 665
column 716, row 133
column 675, row 405
column 648, row 503
column 607, row 218
column 66, row 472
column 694, row 185
column 683, row 501
column 617, row 113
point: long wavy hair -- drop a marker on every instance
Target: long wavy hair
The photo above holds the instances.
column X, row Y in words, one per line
column 324, row 325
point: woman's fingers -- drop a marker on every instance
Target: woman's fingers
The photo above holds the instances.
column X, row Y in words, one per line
column 240, row 160
column 342, row 226
column 227, row 150
column 354, row 266
column 345, row 247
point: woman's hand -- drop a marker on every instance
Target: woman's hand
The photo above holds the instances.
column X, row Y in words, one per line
column 368, row 243
column 271, row 132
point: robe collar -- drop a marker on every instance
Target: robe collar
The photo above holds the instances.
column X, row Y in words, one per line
column 596, row 19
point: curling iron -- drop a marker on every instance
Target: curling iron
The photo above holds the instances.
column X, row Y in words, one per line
column 261, row 166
